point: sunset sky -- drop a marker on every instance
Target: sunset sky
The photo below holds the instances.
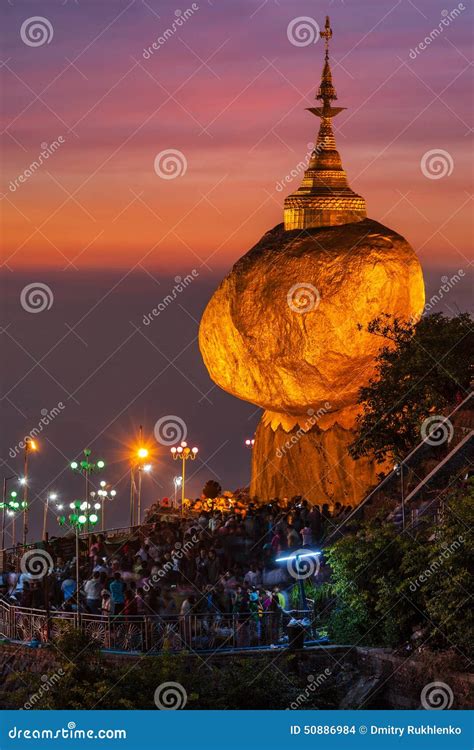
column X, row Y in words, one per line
column 227, row 89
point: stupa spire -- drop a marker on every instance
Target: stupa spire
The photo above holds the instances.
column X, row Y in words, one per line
column 326, row 92
column 324, row 198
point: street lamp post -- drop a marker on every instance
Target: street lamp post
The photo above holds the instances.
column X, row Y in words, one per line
column 103, row 494
column 86, row 467
column 12, row 507
column 30, row 445
column 5, row 506
column 177, row 481
column 50, row 496
column 138, row 464
column 183, row 453
column 78, row 519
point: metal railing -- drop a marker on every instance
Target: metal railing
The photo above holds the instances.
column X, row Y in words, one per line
column 385, row 486
column 154, row 633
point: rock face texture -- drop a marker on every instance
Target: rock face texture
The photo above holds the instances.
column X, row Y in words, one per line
column 282, row 330
column 286, row 330
column 315, row 464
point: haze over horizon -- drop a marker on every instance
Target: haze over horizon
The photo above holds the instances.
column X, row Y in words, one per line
column 104, row 229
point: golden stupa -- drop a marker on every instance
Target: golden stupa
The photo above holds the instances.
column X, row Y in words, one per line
column 287, row 328
column 324, row 198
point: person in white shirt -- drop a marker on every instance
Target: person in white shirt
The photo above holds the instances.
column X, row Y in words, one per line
column 93, row 592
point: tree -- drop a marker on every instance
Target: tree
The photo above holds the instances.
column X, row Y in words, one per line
column 388, row 585
column 211, row 489
column 422, row 368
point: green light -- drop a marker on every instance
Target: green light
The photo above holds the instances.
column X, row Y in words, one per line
column 13, row 493
column 73, row 517
column 93, row 518
column 82, row 519
column 100, row 464
column 77, row 504
column 61, row 520
column 74, row 465
column 24, row 504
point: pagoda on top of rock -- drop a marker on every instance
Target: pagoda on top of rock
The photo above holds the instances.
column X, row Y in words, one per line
column 324, row 198
column 288, row 328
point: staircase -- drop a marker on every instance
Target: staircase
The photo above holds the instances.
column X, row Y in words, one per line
column 422, row 473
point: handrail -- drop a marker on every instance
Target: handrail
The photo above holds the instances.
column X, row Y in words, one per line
column 393, row 472
column 148, row 633
column 440, row 465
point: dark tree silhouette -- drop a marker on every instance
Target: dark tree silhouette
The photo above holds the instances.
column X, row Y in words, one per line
column 422, row 369
column 211, row 489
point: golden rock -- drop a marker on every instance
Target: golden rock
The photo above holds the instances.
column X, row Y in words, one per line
column 287, row 328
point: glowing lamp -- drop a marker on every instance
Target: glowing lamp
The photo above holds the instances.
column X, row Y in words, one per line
column 298, row 556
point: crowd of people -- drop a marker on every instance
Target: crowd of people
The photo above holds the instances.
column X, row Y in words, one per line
column 207, row 562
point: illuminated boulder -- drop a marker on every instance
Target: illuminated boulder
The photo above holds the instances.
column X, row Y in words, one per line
column 287, row 328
